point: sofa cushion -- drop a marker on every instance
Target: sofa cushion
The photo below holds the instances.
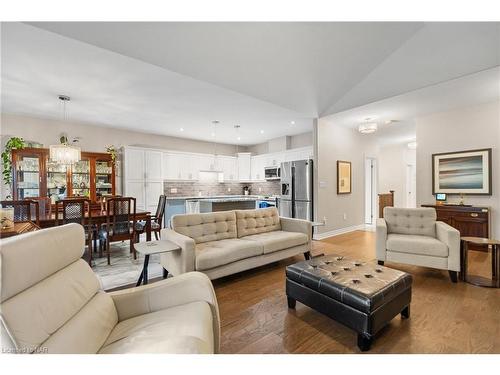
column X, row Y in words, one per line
column 263, row 220
column 217, row 253
column 414, row 244
column 419, row 221
column 206, row 227
column 180, row 329
column 278, row 240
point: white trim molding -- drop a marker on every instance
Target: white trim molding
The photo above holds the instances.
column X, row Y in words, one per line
column 336, row 232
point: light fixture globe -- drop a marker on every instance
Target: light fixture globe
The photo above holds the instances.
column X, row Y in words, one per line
column 368, row 128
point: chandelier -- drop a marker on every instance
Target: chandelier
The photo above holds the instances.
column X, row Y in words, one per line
column 64, row 153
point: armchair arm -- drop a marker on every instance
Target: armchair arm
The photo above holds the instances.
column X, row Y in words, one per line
column 179, row 290
column 451, row 237
column 178, row 262
column 296, row 225
column 380, row 250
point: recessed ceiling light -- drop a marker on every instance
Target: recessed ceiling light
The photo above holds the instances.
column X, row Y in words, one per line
column 181, row 129
column 213, row 134
column 292, row 122
column 262, row 132
column 239, row 138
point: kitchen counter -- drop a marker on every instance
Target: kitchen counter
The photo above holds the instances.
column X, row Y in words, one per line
column 226, row 198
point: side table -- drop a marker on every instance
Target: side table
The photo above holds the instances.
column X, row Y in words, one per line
column 494, row 282
column 153, row 247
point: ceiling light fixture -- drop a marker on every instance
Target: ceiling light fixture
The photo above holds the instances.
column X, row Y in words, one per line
column 262, row 132
column 181, row 129
column 237, row 127
column 63, row 153
column 368, row 127
column 292, row 122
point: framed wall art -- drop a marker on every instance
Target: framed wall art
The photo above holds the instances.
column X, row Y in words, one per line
column 463, row 172
column 344, row 177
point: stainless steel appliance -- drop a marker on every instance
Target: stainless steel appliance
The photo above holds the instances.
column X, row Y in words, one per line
column 272, row 173
column 296, row 198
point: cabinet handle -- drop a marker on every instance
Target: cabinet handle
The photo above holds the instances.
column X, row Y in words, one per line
column 474, row 214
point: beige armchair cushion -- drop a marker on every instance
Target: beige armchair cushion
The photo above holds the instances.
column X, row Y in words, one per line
column 184, row 329
column 262, row 220
column 217, row 253
column 418, row 221
column 278, row 240
column 206, row 227
column 414, row 244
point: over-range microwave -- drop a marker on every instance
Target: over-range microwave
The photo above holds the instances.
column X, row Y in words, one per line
column 272, row 173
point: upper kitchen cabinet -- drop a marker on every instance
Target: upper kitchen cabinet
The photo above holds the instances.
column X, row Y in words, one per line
column 229, row 167
column 244, row 166
column 257, row 167
column 181, row 166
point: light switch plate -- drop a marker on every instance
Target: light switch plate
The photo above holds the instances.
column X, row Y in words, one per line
column 173, row 190
column 322, row 184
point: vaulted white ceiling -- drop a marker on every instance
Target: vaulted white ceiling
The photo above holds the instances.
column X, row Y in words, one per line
column 163, row 76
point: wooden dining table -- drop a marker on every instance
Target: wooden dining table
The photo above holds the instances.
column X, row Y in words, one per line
column 99, row 217
column 18, row 228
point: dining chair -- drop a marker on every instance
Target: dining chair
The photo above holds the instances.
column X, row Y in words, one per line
column 77, row 211
column 44, row 206
column 120, row 224
column 156, row 220
column 23, row 210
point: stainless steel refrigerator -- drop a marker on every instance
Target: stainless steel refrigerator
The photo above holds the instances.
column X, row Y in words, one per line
column 296, row 199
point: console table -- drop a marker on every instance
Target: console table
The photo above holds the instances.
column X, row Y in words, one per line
column 470, row 221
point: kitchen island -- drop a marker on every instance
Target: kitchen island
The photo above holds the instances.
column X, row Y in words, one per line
column 227, row 204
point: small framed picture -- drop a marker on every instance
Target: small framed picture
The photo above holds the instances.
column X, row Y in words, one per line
column 344, row 177
column 462, row 172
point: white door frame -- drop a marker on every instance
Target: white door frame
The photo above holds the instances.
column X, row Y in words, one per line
column 371, row 190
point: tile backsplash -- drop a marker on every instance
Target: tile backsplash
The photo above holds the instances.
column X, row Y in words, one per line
column 193, row 188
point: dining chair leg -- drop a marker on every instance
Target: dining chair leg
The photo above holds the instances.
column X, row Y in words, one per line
column 132, row 247
column 156, row 235
column 107, row 251
column 90, row 250
column 100, row 247
column 94, row 234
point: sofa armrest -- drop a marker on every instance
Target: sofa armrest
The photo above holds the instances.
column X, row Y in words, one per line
column 296, row 225
column 451, row 237
column 381, row 243
column 175, row 291
column 178, row 262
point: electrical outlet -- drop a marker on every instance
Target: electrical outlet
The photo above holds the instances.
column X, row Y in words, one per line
column 173, row 190
column 228, row 189
column 345, row 216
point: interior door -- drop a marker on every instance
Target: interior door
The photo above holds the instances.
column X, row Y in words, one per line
column 411, row 186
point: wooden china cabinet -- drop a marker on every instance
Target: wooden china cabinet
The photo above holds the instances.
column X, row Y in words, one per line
column 34, row 175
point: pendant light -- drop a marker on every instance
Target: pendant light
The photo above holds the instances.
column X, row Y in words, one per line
column 368, row 127
column 64, row 153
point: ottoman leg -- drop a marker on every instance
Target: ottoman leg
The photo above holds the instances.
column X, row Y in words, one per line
column 364, row 342
column 307, row 255
column 405, row 313
column 291, row 302
column 380, row 262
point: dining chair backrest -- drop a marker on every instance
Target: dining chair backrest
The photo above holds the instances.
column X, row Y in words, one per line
column 44, row 206
column 160, row 209
column 121, row 215
column 26, row 210
column 73, row 211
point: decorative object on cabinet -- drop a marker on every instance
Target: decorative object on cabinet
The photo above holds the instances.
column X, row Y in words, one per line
column 471, row 221
column 385, row 200
column 14, row 143
column 111, row 150
column 344, row 177
column 37, row 176
column 462, row 172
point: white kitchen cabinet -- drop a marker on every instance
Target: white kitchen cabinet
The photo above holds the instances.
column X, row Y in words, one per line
column 244, row 166
column 229, row 167
column 143, row 176
column 257, row 167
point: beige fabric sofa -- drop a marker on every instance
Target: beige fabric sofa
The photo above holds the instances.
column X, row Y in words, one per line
column 51, row 302
column 222, row 243
column 413, row 236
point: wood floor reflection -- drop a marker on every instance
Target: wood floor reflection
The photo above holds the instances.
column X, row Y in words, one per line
column 446, row 317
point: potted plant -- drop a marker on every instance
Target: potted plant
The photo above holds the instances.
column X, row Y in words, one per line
column 111, row 149
column 14, row 143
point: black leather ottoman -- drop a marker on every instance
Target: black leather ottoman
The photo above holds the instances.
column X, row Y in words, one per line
column 363, row 296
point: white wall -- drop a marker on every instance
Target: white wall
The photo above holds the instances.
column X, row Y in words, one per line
column 458, row 130
column 340, row 143
column 296, row 141
column 392, row 166
column 96, row 138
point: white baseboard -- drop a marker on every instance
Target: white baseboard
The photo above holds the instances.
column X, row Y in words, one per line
column 336, row 232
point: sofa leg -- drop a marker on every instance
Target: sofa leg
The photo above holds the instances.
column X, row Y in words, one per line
column 364, row 342
column 307, row 255
column 380, row 262
column 453, row 276
column 405, row 313
column 291, row 302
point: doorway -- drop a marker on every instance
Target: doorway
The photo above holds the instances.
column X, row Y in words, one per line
column 370, row 190
column 411, row 186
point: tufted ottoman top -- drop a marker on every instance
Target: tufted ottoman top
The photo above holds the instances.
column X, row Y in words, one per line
column 362, row 285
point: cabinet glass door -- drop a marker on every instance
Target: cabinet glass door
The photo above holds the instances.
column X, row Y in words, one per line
column 57, row 182
column 80, row 179
column 103, row 178
column 28, row 176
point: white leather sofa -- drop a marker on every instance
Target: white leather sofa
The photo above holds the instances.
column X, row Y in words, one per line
column 222, row 243
column 51, row 302
column 413, row 236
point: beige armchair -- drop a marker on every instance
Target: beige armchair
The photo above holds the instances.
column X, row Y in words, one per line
column 413, row 236
column 51, row 302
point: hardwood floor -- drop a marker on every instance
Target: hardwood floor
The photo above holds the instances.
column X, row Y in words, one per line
column 445, row 317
